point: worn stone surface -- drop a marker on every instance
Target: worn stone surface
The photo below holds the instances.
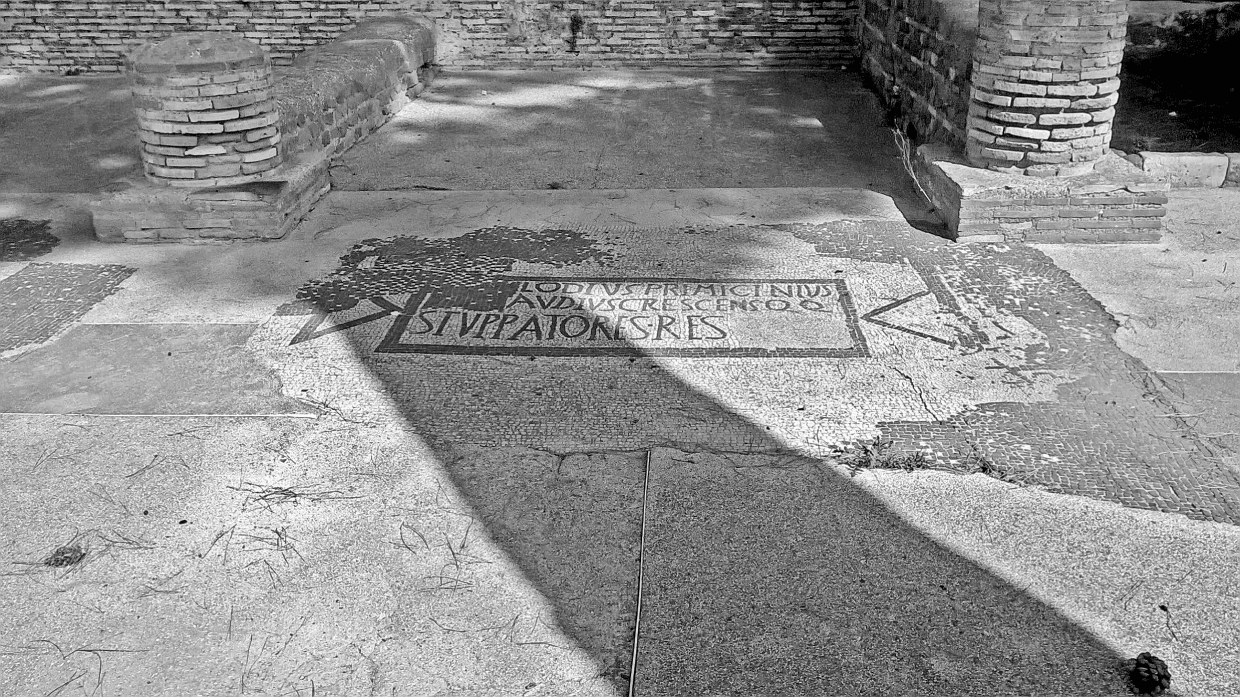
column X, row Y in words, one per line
column 1187, row 169
column 958, row 352
column 1213, row 400
column 777, row 575
column 75, row 135
column 635, row 130
column 145, row 369
column 282, row 553
column 1175, row 301
column 416, row 435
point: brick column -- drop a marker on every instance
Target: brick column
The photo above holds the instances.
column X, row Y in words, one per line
column 206, row 110
column 1045, row 84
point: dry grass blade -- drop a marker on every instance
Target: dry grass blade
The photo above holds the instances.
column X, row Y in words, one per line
column 444, row 582
column 269, row 495
column 70, row 681
column 447, row 629
column 278, row 541
column 121, row 540
column 405, row 543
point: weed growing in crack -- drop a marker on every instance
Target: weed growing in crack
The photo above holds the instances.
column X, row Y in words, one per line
column 878, row 454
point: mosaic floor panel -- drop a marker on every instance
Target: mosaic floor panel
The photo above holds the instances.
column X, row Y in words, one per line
column 747, row 338
column 43, row 299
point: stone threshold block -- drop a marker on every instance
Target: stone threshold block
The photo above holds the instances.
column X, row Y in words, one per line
column 1188, row 169
column 1116, row 202
column 262, row 210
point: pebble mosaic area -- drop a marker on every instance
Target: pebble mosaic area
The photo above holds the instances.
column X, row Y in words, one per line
column 42, row 299
column 957, row 351
column 23, row 240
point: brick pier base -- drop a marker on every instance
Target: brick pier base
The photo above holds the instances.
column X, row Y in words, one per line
column 1115, row 202
column 254, row 176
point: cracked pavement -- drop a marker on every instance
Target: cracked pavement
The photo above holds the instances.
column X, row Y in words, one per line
column 446, row 442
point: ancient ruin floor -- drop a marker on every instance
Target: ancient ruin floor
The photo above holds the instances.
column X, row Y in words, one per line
column 560, row 347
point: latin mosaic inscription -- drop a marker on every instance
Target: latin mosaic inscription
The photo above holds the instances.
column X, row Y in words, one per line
column 628, row 316
column 422, row 297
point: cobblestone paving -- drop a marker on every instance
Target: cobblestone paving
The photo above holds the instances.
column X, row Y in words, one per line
column 758, row 338
column 23, row 240
column 42, row 299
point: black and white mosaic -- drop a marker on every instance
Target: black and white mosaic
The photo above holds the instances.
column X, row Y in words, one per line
column 43, row 299
column 505, row 337
column 23, row 240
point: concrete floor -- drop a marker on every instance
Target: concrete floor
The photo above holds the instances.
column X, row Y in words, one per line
column 66, row 135
column 267, row 517
column 649, row 129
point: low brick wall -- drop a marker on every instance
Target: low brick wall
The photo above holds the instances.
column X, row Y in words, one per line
column 1114, row 203
column 918, row 55
column 264, row 210
column 336, row 94
column 1101, row 213
column 334, row 97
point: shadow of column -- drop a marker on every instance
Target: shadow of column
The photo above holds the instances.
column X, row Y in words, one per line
column 766, row 571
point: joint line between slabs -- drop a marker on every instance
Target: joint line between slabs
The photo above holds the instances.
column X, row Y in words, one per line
column 641, row 567
column 1196, row 372
column 291, row 415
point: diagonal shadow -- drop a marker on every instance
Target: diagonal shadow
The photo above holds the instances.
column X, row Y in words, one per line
column 766, row 571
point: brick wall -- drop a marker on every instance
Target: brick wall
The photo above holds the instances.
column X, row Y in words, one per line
column 521, row 33
column 343, row 93
column 94, row 35
column 918, row 53
column 1104, row 214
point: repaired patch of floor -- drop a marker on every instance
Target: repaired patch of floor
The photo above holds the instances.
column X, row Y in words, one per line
column 145, row 369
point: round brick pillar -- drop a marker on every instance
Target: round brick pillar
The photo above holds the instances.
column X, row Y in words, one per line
column 206, row 111
column 1045, row 82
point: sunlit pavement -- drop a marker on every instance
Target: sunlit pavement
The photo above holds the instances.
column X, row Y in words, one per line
column 450, row 442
